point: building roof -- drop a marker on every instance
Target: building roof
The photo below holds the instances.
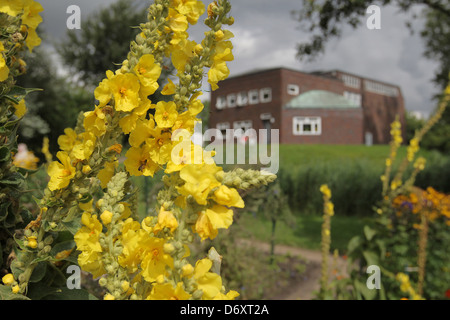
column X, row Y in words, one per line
column 320, row 99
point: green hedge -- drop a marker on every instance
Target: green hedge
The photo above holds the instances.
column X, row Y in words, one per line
column 355, row 184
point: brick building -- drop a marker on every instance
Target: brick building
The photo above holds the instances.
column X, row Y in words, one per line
column 332, row 107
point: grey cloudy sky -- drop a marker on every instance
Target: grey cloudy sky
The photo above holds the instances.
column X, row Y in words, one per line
column 266, row 36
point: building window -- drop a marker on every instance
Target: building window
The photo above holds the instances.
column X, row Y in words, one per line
column 355, row 98
column 253, row 96
column 351, row 81
column 221, row 102
column 380, row 88
column 265, row 95
column 231, row 100
column 223, row 126
column 307, row 125
column 244, row 125
column 242, row 99
column 293, row 89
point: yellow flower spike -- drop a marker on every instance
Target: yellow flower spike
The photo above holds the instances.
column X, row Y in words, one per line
column 8, row 279
column 106, row 217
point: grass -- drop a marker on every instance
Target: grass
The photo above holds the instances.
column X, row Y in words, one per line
column 306, row 233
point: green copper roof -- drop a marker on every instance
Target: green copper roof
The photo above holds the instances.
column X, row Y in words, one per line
column 320, row 99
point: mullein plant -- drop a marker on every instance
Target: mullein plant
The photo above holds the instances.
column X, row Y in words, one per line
column 18, row 22
column 328, row 212
column 146, row 259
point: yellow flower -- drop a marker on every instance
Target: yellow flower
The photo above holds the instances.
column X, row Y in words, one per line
column 182, row 53
column 155, row 261
column 105, row 174
column 169, row 88
column 177, row 21
column 167, row 292
column 4, row 70
column 60, row 173
column 128, row 122
column 83, row 149
column 148, row 73
column 135, row 244
column 142, row 131
column 325, row 190
column 94, row 121
column 199, row 181
column 210, row 283
column 218, row 72
column 21, row 109
column 11, row 7
column 31, row 16
column 212, row 219
column 166, row 114
column 106, row 217
column 138, row 161
column 8, row 279
column 86, row 206
column 228, row 197
column 15, row 289
column 231, row 295
column 125, row 89
column 32, row 242
column 33, row 39
column 87, row 241
column 160, row 146
column 166, row 219
column 103, row 92
column 192, row 9
column 67, row 140
column 108, row 296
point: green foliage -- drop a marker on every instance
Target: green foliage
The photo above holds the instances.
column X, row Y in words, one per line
column 99, row 45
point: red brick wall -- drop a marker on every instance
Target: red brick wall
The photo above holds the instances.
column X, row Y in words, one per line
column 339, row 126
column 378, row 110
column 258, row 81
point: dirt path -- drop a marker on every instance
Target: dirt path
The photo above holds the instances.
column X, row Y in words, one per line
column 305, row 288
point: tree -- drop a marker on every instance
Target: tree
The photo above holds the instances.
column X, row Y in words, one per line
column 324, row 19
column 98, row 46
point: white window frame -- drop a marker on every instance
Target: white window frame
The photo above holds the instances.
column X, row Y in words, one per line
column 293, row 89
column 353, row 97
column 265, row 95
column 253, row 97
column 242, row 124
column 231, row 100
column 242, row 99
column 221, row 102
column 223, row 125
column 299, row 122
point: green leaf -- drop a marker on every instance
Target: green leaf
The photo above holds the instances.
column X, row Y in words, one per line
column 371, row 257
column 368, row 294
column 18, row 93
column 5, row 154
column 369, row 233
column 72, row 226
column 39, row 272
column 354, row 243
column 70, row 294
column 6, row 294
column 65, row 245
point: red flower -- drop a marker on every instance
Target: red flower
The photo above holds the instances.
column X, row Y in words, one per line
column 447, row 293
